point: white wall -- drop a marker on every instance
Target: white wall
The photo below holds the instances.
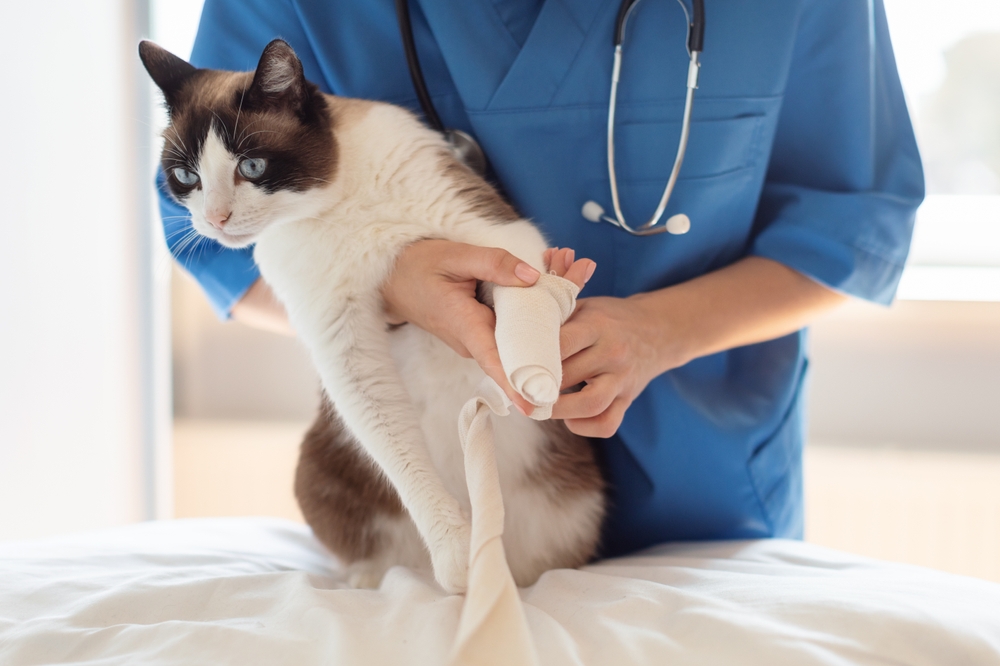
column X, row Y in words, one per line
column 922, row 374
column 78, row 334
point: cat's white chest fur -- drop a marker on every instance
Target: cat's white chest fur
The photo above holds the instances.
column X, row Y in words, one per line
column 332, row 191
column 400, row 393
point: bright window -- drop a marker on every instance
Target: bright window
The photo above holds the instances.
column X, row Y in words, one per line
column 948, row 54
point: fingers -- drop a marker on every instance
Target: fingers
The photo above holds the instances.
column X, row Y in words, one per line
column 580, row 272
column 604, row 424
column 575, row 336
column 593, row 400
column 559, row 259
column 562, row 262
column 582, row 367
column 490, row 264
column 595, row 411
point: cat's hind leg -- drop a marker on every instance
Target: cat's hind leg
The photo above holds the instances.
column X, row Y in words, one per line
column 351, row 507
column 401, row 545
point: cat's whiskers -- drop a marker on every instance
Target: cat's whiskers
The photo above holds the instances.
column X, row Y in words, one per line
column 180, row 152
column 242, row 135
column 180, row 157
column 239, row 111
column 176, row 232
column 186, row 237
column 243, row 140
column 182, row 147
column 188, row 242
column 221, row 125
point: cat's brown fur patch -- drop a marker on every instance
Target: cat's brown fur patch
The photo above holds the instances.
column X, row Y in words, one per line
column 339, row 490
column 476, row 194
column 297, row 142
column 567, row 465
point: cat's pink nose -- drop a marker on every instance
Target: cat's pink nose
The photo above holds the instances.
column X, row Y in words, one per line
column 218, row 219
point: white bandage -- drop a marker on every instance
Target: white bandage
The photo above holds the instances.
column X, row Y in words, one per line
column 493, row 628
column 527, row 334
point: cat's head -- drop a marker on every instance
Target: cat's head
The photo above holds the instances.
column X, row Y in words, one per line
column 242, row 150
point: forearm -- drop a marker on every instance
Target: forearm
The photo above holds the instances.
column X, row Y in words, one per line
column 750, row 301
column 259, row 308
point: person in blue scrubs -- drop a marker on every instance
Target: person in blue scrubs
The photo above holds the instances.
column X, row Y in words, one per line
column 801, row 180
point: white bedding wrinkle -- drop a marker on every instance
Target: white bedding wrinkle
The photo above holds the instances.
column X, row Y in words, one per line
column 263, row 591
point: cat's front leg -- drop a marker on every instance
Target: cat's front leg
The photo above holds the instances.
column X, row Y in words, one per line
column 351, row 351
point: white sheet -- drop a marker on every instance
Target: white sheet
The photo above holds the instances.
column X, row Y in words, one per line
column 262, row 591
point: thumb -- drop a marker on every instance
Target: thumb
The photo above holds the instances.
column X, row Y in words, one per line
column 490, row 264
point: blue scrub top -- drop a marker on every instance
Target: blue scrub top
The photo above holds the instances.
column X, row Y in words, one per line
column 801, row 151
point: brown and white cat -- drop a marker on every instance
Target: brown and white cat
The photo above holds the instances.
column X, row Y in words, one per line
column 331, row 190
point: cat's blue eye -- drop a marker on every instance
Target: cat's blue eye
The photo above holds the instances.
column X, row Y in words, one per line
column 185, row 177
column 252, row 168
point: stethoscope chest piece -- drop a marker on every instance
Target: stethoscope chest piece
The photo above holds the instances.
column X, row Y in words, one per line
column 467, row 150
column 678, row 224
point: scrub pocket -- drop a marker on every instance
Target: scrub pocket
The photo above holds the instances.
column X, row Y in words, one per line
column 645, row 149
column 718, row 189
column 775, row 469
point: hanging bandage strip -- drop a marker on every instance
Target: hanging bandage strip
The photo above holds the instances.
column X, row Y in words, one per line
column 493, row 628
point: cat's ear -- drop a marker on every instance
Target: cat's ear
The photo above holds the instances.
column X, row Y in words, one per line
column 279, row 79
column 167, row 70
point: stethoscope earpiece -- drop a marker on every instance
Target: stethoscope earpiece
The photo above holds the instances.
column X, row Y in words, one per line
column 594, row 212
column 676, row 224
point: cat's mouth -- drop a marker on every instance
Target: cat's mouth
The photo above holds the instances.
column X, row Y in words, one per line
column 234, row 241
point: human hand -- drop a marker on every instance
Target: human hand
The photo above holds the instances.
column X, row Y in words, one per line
column 433, row 286
column 616, row 346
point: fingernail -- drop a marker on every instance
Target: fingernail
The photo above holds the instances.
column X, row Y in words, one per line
column 590, row 272
column 526, row 273
column 570, row 258
column 520, row 409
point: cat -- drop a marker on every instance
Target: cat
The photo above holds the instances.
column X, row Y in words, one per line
column 330, row 190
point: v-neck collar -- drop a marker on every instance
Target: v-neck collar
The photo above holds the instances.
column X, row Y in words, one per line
column 490, row 69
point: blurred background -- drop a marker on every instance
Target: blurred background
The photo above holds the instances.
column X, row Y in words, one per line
column 123, row 398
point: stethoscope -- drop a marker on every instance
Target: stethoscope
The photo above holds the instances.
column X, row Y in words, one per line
column 469, row 151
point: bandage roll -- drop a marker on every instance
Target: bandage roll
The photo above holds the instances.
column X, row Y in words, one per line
column 527, row 334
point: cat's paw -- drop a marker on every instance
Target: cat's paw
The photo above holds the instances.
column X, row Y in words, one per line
column 562, row 261
column 450, row 558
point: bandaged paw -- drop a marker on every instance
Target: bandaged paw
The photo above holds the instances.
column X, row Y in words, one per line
column 527, row 334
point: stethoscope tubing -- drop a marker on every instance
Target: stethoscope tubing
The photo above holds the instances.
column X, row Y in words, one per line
column 469, row 151
column 695, row 38
column 619, row 219
column 413, row 62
